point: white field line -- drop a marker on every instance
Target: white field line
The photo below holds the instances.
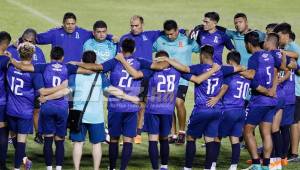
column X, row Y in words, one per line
column 34, row 12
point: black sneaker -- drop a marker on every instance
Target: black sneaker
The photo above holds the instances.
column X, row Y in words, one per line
column 172, row 140
column 180, row 139
column 293, row 158
column 38, row 138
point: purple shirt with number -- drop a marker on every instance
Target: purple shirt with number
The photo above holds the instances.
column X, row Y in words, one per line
column 162, row 90
column 21, row 87
column 121, row 79
column 263, row 63
column 208, row 88
column 238, row 89
column 54, row 73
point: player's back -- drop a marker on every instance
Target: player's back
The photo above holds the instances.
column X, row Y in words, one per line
column 54, row 74
column 238, row 89
column 20, row 92
column 121, row 79
column 162, row 90
column 208, row 88
column 264, row 76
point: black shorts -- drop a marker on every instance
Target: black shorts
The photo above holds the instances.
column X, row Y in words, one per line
column 181, row 93
column 37, row 104
column 297, row 110
column 144, row 90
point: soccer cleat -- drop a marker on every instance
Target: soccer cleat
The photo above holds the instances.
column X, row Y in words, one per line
column 284, row 162
column 265, row 168
column 172, row 140
column 10, row 141
column 163, row 168
column 254, row 167
column 38, row 139
column 233, row 167
column 138, row 139
column 273, row 164
column 180, row 139
column 27, row 163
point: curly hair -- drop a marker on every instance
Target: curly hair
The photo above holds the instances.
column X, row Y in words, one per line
column 26, row 50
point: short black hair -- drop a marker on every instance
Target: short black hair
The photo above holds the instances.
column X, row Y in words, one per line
column 271, row 26
column 170, row 24
column 161, row 53
column 207, row 51
column 57, row 53
column 284, row 28
column 240, row 15
column 292, row 36
column 69, row 15
column 89, row 57
column 234, row 56
column 4, row 36
column 128, row 45
column 99, row 24
column 28, row 31
column 252, row 37
column 274, row 38
column 212, row 16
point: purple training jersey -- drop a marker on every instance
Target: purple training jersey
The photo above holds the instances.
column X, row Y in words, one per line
column 37, row 58
column 208, row 88
column 54, row 73
column 121, row 79
column 238, row 90
column 21, row 96
column 218, row 40
column 162, row 90
column 263, row 63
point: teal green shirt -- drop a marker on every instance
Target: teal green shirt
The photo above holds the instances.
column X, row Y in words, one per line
column 292, row 46
column 239, row 44
column 180, row 49
column 94, row 112
column 104, row 50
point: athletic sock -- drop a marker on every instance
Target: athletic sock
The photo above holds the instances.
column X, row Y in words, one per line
column 113, row 154
column 126, row 155
column 209, row 154
column 153, row 154
column 235, row 155
column 190, row 151
column 285, row 134
column 3, row 146
column 164, row 151
column 59, row 152
column 48, row 151
column 19, row 154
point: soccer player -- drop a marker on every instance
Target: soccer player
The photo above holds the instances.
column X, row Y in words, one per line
column 70, row 37
column 5, row 39
column 29, row 35
column 53, row 115
column 285, row 34
column 238, row 35
column 179, row 47
column 104, row 48
column 233, row 94
column 211, row 35
column 261, row 104
column 162, row 89
column 271, row 44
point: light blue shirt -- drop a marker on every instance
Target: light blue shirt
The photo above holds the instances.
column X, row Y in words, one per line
column 239, row 44
column 180, row 49
column 94, row 113
column 292, row 46
column 104, row 50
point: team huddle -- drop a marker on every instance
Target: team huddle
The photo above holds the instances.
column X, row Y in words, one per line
column 257, row 86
